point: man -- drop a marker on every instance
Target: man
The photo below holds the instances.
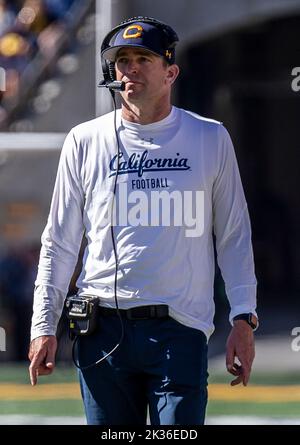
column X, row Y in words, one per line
column 176, row 181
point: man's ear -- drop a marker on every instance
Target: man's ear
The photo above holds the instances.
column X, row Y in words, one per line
column 172, row 73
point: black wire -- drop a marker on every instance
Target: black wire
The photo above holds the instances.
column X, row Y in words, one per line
column 115, row 255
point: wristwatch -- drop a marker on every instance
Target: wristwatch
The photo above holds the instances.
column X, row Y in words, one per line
column 250, row 318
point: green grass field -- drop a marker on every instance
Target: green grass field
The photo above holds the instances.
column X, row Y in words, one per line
column 16, row 377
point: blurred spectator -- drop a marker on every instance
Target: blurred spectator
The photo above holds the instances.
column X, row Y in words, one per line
column 16, row 48
column 48, row 40
column 26, row 28
column 58, row 9
column 33, row 16
column 18, row 270
column 7, row 16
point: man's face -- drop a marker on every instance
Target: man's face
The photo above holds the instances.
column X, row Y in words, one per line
column 146, row 75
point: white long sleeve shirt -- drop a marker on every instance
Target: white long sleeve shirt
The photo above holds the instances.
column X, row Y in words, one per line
column 178, row 183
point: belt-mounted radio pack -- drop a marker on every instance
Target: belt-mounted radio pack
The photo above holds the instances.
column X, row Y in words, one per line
column 82, row 312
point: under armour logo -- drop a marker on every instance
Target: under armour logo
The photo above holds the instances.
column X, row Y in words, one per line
column 148, row 141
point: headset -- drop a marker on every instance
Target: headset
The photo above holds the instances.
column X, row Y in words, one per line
column 108, row 68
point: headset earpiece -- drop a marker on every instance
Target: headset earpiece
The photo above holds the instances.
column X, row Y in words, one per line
column 112, row 71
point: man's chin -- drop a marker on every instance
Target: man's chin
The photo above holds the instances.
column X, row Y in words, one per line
column 132, row 95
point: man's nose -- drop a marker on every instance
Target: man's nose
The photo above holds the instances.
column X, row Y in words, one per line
column 132, row 66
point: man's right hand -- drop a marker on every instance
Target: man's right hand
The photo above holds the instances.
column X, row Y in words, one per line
column 42, row 356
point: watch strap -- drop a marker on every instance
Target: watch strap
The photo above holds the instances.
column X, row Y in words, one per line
column 250, row 318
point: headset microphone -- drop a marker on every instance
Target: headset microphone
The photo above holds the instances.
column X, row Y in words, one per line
column 114, row 85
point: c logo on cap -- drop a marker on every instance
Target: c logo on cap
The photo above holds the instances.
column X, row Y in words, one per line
column 138, row 32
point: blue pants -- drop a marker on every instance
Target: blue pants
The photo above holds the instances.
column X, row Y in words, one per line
column 161, row 364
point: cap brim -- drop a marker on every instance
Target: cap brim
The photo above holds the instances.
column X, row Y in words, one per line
column 111, row 53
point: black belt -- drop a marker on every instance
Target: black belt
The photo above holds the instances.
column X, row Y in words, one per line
column 139, row 312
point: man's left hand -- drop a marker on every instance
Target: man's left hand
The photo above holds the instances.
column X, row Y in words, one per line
column 240, row 345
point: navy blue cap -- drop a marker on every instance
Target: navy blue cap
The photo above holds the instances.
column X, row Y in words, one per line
column 141, row 35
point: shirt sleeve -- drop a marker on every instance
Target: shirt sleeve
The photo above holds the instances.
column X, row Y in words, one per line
column 47, row 308
column 233, row 231
column 61, row 241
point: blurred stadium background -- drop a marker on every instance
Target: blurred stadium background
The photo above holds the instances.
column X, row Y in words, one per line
column 236, row 61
